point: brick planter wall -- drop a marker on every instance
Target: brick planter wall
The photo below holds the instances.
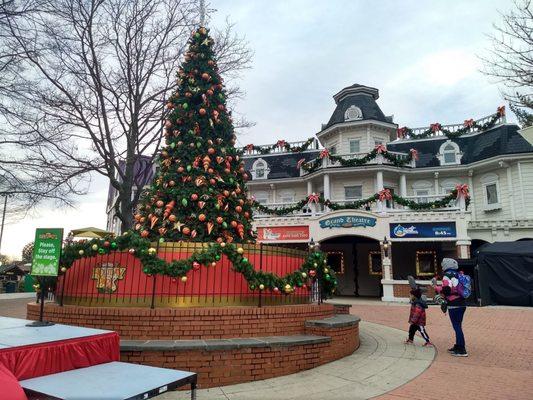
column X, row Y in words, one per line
column 188, row 323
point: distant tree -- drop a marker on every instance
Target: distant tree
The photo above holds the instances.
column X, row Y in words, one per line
column 27, row 253
column 4, row 259
column 510, row 59
column 88, row 90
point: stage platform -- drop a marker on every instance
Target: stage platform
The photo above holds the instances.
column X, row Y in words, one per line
column 71, row 362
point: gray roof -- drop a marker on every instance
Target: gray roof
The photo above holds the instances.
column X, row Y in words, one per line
column 360, row 96
column 501, row 140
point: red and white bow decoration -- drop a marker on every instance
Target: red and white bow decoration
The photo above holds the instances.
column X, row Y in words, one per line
column 324, row 153
column 435, row 127
column 462, row 190
column 384, row 195
column 249, row 148
column 313, row 198
column 400, row 132
column 414, row 154
column 281, row 143
column 300, row 162
column 501, row 111
column 469, row 123
column 380, row 148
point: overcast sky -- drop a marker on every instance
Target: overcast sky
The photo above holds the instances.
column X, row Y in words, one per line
column 421, row 55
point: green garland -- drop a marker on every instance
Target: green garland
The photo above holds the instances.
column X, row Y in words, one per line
column 286, row 146
column 152, row 264
column 407, row 133
column 313, row 165
column 411, row 204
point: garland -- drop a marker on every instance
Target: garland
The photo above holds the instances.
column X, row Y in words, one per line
column 385, row 194
column 468, row 126
column 380, row 149
column 257, row 280
column 280, row 144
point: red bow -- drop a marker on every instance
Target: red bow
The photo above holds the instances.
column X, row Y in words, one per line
column 281, row 143
column 469, row 123
column 501, row 111
column 249, row 148
column 385, row 194
column 300, row 163
column 414, row 154
column 462, row 191
column 380, row 148
column 400, row 132
column 435, row 127
column 313, row 198
column 324, row 153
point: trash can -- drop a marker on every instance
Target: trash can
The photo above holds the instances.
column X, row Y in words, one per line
column 11, row 287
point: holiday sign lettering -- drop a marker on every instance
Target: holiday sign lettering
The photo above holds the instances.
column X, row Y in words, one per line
column 46, row 251
column 106, row 276
column 348, row 221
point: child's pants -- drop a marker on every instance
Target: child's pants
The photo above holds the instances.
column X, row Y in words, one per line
column 412, row 330
column 456, row 316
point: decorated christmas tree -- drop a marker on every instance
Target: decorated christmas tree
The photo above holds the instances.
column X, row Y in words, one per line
column 198, row 193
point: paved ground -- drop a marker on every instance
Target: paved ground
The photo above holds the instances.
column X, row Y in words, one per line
column 500, row 366
column 381, row 364
column 500, row 343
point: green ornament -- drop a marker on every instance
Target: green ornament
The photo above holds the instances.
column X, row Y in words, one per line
column 184, row 202
column 217, row 206
column 189, row 168
column 172, row 145
column 185, row 106
column 245, row 260
column 190, row 132
column 327, row 277
column 230, row 180
column 196, row 35
column 224, row 225
column 221, row 96
column 146, row 271
column 161, row 240
column 113, row 245
column 191, row 80
column 101, row 251
column 198, row 144
column 252, row 287
column 217, row 257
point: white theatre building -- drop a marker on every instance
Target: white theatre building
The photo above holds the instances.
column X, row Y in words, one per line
column 495, row 163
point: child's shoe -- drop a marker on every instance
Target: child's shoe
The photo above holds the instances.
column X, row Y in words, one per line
column 460, row 353
column 428, row 344
column 408, row 341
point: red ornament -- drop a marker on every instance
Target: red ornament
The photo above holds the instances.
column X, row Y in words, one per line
column 196, row 265
column 221, row 107
column 201, row 217
column 205, row 76
column 171, row 183
column 181, row 169
column 238, row 209
column 202, row 111
column 275, row 290
column 212, row 181
column 172, row 218
column 186, row 230
column 211, row 150
column 160, row 203
column 209, row 92
column 106, row 243
column 312, row 273
column 220, row 220
column 194, row 197
column 234, row 224
column 145, row 233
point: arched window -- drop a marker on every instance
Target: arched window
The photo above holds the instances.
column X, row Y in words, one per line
column 260, row 169
column 449, row 153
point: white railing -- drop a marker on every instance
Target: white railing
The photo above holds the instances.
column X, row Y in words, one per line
column 318, row 209
column 455, row 127
column 280, row 150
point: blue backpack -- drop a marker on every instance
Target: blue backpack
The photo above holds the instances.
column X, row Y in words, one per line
column 465, row 285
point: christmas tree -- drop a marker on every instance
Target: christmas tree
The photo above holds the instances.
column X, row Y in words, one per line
column 198, row 193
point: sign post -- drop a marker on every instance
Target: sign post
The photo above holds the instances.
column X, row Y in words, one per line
column 45, row 262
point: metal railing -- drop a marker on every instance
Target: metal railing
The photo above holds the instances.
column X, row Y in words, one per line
column 118, row 279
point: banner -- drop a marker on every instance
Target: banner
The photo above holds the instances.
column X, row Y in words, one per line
column 423, row 230
column 277, row 233
column 348, row 221
column 46, row 251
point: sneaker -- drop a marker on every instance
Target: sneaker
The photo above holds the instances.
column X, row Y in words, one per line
column 460, row 353
column 408, row 341
column 452, row 350
column 428, row 344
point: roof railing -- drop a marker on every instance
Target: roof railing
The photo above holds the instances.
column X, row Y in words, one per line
column 275, row 149
column 455, row 127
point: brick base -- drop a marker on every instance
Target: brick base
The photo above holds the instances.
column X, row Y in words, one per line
column 402, row 291
column 188, row 323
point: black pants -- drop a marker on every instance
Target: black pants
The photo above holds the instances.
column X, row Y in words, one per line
column 414, row 328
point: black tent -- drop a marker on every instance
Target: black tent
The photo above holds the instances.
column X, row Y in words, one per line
column 506, row 273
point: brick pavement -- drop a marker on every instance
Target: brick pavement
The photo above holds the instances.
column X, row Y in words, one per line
column 499, row 341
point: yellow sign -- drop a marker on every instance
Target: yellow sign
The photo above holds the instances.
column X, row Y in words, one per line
column 106, row 276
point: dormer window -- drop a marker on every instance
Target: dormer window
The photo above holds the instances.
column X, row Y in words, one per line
column 260, row 169
column 449, row 153
column 353, row 113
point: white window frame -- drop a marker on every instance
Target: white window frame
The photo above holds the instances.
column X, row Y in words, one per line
column 333, row 146
column 260, row 196
column 457, row 151
column 422, row 186
column 378, row 140
column 351, row 186
column 447, row 186
column 358, row 145
column 489, row 180
column 286, row 193
column 254, row 169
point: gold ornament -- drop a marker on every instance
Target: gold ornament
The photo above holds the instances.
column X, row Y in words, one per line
column 184, row 279
column 240, row 250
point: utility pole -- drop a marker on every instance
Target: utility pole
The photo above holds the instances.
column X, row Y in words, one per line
column 3, row 220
